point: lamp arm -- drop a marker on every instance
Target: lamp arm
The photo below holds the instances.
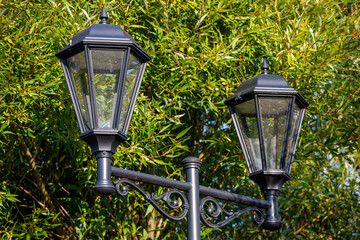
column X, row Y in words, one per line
column 151, row 179
column 128, row 177
column 186, row 186
column 213, row 209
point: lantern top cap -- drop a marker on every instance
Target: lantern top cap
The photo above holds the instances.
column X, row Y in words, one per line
column 102, row 34
column 103, row 16
column 264, row 83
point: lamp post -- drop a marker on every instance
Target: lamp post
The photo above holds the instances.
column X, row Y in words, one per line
column 104, row 67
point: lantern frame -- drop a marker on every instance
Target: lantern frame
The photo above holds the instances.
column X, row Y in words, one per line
column 103, row 140
column 269, row 180
column 103, row 36
column 268, row 86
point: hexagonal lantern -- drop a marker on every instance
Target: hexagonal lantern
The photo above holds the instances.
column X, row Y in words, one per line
column 267, row 114
column 103, row 67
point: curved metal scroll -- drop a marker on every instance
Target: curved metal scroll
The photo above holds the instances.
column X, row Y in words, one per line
column 256, row 214
column 123, row 191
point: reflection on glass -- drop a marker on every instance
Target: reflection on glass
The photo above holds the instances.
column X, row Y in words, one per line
column 274, row 113
column 128, row 90
column 106, row 66
column 78, row 72
column 249, row 128
column 295, row 128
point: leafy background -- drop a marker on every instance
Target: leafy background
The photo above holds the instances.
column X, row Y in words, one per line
column 202, row 50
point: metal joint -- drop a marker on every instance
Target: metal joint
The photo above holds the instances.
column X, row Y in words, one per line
column 191, row 162
column 103, row 154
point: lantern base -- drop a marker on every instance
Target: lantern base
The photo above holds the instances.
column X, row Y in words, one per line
column 103, row 143
column 271, row 179
column 270, row 182
column 101, row 140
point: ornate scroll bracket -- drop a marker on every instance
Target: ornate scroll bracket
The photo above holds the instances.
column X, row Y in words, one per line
column 152, row 199
column 256, row 214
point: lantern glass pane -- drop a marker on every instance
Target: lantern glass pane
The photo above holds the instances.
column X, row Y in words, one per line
column 106, row 69
column 295, row 128
column 247, row 118
column 128, row 90
column 79, row 78
column 274, row 114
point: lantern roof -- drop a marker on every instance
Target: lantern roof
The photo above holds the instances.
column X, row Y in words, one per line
column 103, row 34
column 264, row 84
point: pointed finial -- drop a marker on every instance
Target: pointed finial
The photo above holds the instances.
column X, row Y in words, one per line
column 103, row 16
column 264, row 67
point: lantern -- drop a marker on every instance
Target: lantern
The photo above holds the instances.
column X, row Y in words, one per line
column 103, row 68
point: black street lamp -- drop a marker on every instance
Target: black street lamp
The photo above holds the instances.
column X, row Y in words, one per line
column 104, row 67
column 267, row 114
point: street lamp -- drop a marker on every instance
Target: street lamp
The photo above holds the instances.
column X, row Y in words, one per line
column 267, row 114
column 104, row 67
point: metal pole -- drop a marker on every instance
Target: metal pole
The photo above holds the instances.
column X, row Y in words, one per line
column 191, row 166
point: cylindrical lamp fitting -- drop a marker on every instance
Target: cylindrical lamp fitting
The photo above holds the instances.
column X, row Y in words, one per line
column 272, row 221
column 104, row 185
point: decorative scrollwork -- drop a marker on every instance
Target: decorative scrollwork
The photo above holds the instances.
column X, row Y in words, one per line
column 152, row 199
column 256, row 214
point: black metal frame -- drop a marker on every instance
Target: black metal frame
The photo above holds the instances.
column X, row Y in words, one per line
column 259, row 125
column 262, row 86
column 103, row 36
column 87, row 50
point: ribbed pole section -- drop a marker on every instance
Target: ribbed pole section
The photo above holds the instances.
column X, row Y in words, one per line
column 191, row 166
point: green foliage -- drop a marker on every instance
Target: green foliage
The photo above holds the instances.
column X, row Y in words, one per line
column 202, row 50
